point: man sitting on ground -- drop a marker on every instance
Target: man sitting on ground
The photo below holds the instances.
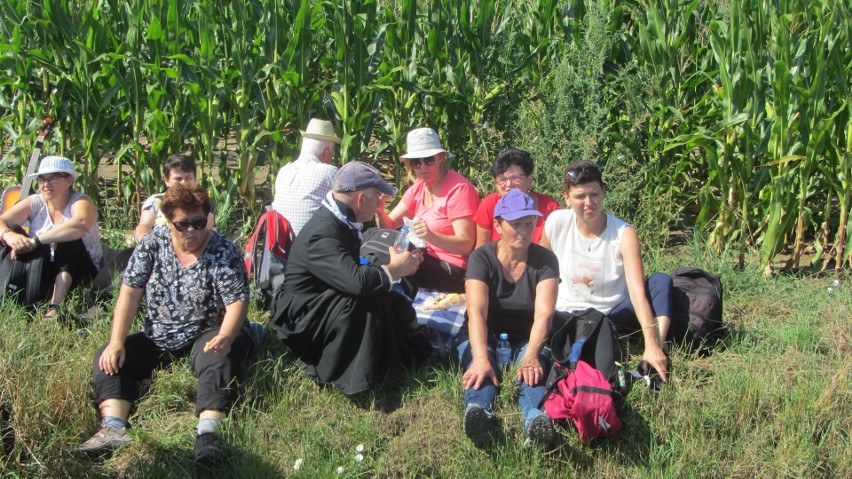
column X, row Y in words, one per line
column 179, row 170
column 301, row 185
column 336, row 312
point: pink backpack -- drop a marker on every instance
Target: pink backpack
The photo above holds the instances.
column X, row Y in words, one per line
column 585, row 397
column 586, row 378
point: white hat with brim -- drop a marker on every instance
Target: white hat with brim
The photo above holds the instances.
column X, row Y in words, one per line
column 55, row 164
column 423, row 143
column 320, row 130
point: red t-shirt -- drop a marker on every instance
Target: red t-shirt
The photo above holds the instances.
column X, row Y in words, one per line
column 457, row 199
column 485, row 214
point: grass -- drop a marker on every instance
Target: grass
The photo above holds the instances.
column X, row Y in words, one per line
column 773, row 401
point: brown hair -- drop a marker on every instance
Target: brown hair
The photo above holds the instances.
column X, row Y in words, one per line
column 580, row 172
column 181, row 162
column 185, row 198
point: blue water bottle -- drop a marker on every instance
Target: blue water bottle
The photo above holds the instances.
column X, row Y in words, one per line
column 504, row 351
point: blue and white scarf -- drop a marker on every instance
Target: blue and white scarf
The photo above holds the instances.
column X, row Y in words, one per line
column 331, row 205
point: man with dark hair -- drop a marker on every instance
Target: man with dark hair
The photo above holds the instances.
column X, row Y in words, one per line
column 179, row 169
column 336, row 312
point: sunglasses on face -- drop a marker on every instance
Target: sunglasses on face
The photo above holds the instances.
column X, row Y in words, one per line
column 48, row 178
column 509, row 179
column 583, row 174
column 418, row 162
column 197, row 224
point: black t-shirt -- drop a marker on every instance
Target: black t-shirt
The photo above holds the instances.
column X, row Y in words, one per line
column 511, row 306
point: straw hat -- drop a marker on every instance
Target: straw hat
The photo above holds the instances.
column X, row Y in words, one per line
column 423, row 143
column 55, row 164
column 320, row 130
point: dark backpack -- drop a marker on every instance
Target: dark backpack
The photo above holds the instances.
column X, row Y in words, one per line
column 266, row 254
column 587, row 381
column 374, row 248
column 29, row 277
column 696, row 308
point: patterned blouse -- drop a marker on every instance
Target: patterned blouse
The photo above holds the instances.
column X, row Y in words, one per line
column 185, row 301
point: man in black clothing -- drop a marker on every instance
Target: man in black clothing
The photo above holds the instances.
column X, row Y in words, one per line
column 335, row 311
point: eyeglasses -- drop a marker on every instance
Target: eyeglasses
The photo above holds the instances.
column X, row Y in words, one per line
column 583, row 174
column 49, row 178
column 510, row 179
column 418, row 162
column 197, row 224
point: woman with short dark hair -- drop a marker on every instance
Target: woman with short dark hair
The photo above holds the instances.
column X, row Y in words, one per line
column 196, row 290
column 601, row 265
column 512, row 169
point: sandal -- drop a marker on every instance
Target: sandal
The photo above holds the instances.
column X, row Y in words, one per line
column 53, row 312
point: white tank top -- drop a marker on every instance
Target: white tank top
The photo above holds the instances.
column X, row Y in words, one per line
column 40, row 222
column 592, row 270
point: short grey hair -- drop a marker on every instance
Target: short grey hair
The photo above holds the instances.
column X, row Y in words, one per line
column 314, row 147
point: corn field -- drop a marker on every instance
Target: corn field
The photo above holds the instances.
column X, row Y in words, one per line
column 742, row 124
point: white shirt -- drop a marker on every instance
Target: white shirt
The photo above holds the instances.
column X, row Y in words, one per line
column 592, row 270
column 300, row 187
column 41, row 222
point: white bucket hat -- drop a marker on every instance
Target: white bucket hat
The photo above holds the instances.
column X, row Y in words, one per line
column 55, row 164
column 320, row 130
column 423, row 143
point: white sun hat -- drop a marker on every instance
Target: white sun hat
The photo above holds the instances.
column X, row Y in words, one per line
column 55, row 164
column 320, row 130
column 423, row 143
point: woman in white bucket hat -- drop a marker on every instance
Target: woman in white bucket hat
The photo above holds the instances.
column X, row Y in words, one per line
column 442, row 203
column 63, row 227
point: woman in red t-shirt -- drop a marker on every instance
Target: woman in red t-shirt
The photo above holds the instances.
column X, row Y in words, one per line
column 512, row 169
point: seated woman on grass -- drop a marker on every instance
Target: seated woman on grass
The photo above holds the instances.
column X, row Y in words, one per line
column 511, row 288
column 178, row 170
column 63, row 228
column 512, row 169
column 196, row 289
column 601, row 266
column 442, row 204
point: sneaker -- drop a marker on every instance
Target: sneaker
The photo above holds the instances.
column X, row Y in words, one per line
column 477, row 424
column 540, row 431
column 106, row 439
column 206, row 448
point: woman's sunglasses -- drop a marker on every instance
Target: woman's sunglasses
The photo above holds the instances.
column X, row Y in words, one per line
column 418, row 162
column 583, row 174
column 197, row 224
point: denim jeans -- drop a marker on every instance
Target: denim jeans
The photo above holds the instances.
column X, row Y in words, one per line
column 658, row 290
column 529, row 397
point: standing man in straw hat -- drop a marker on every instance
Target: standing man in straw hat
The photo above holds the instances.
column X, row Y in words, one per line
column 301, row 185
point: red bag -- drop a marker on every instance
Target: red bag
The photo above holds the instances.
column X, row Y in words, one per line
column 267, row 251
column 585, row 397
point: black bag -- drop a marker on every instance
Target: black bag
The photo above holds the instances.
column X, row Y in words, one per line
column 696, row 308
column 28, row 278
column 374, row 248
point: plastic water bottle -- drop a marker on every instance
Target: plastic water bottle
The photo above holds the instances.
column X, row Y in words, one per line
column 504, row 351
column 400, row 245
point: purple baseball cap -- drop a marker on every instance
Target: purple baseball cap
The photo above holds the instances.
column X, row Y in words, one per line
column 357, row 176
column 515, row 204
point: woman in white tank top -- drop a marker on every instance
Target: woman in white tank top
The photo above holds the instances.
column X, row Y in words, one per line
column 61, row 221
column 601, row 267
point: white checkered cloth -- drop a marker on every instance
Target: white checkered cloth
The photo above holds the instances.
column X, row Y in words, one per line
column 300, row 187
column 445, row 324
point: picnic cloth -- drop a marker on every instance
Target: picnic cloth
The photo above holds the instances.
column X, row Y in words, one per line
column 444, row 323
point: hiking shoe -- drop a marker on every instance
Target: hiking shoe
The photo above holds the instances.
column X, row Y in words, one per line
column 540, row 431
column 206, row 448
column 477, row 424
column 106, row 439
